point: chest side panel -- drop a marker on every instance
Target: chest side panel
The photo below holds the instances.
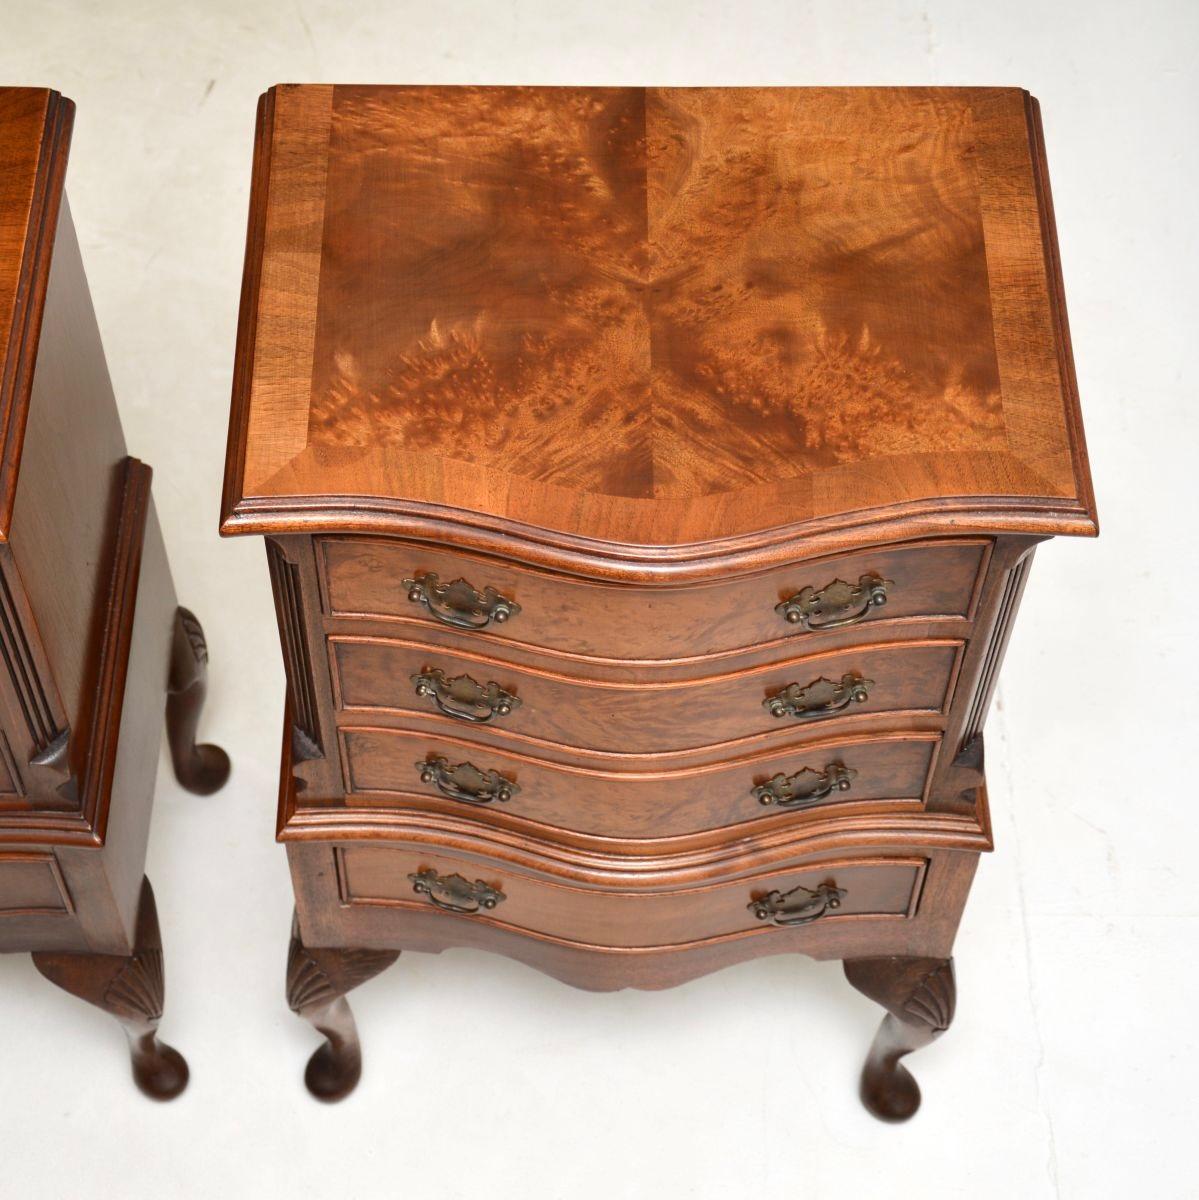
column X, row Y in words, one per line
column 67, row 507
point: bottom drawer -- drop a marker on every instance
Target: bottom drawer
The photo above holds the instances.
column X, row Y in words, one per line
column 31, row 884
column 830, row 891
column 36, row 911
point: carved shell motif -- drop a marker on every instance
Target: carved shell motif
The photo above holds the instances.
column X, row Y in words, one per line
column 309, row 985
column 195, row 635
column 137, row 990
column 932, row 1001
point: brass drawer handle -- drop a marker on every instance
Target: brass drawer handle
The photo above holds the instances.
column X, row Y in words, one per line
column 805, row 787
column 820, row 698
column 464, row 697
column 458, row 603
column 799, row 906
column 465, row 781
column 454, row 893
column 836, row 604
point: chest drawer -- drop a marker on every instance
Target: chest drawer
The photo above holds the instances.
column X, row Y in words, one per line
column 381, row 580
column 757, row 904
column 31, row 884
column 443, row 774
column 534, row 705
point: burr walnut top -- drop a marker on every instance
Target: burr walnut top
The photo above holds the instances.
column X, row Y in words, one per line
column 35, row 128
column 652, row 323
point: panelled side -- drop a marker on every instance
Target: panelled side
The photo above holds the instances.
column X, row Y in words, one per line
column 960, row 770
column 67, row 505
column 314, row 747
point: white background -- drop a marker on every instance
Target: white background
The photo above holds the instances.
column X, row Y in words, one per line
column 1071, row 1068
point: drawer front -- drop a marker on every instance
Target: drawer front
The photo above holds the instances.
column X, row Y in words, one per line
column 470, row 690
column 926, row 581
column 829, row 892
column 31, row 884
column 449, row 775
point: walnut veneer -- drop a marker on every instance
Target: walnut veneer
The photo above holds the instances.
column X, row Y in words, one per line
column 92, row 643
column 649, row 478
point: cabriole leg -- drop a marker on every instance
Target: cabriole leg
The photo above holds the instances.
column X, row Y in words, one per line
column 200, row 769
column 131, row 989
column 317, row 983
column 919, row 996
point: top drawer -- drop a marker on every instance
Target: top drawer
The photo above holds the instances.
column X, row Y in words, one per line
column 365, row 578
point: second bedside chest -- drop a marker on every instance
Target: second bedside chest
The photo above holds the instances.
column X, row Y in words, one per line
column 93, row 646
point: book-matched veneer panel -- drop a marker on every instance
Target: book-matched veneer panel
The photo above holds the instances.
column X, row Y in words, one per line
column 418, row 771
column 442, row 326
column 933, row 581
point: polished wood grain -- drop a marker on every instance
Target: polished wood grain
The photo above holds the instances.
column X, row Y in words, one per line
column 24, row 115
column 651, row 293
column 376, row 875
column 383, row 769
column 35, row 129
column 362, row 579
column 650, row 317
column 626, row 672
column 376, row 675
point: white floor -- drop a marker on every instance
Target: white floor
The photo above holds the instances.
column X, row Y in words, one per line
column 1071, row 1069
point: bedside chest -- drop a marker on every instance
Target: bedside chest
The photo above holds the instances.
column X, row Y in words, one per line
column 91, row 640
column 649, row 478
